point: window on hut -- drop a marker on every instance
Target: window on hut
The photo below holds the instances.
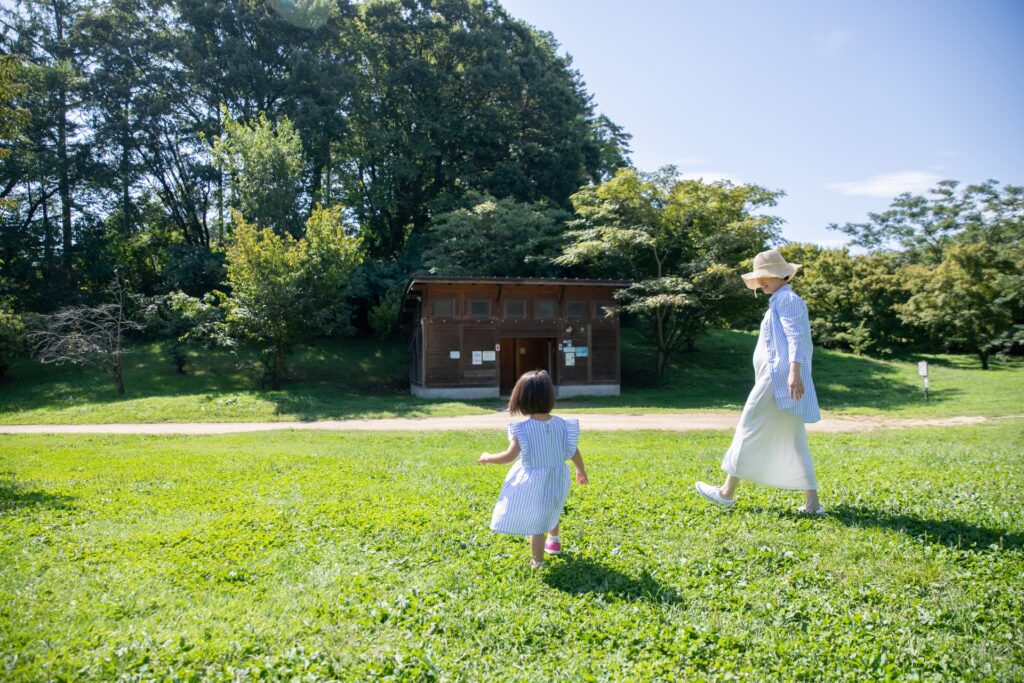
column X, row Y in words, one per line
column 544, row 308
column 479, row 308
column 515, row 308
column 574, row 309
column 444, row 308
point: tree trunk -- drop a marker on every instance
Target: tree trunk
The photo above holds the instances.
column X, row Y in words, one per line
column 118, row 373
column 662, row 362
column 275, row 376
column 63, row 172
column 983, row 355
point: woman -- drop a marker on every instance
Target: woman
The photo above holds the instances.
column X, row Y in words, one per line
column 770, row 445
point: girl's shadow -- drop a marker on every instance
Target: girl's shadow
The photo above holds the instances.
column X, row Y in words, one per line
column 580, row 576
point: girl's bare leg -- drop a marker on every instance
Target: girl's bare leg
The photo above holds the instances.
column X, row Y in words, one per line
column 811, row 500
column 537, row 546
column 554, row 532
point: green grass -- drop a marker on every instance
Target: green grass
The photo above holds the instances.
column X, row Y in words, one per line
column 367, row 379
column 367, row 556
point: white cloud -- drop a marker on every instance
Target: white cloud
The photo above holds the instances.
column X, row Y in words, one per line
column 888, row 184
column 834, row 40
column 712, row 176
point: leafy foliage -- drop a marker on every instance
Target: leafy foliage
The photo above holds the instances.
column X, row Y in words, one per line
column 680, row 241
column 961, row 260
column 12, row 338
column 264, row 164
column 283, row 289
column 852, row 300
column 495, row 238
column 187, row 322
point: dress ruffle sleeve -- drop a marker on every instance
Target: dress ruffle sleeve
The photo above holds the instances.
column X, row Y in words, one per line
column 572, row 436
column 515, row 429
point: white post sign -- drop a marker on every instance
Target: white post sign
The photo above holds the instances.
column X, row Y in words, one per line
column 922, row 370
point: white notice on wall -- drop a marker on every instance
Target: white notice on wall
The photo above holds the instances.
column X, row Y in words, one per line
column 478, row 358
column 570, row 358
column 488, row 355
column 454, row 355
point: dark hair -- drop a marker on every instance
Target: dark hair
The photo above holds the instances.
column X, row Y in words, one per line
column 533, row 393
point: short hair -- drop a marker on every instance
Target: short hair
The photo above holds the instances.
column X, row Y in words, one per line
column 533, row 393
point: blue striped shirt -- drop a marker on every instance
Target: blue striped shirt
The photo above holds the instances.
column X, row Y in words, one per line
column 788, row 338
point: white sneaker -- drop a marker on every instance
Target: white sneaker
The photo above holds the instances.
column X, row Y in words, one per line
column 713, row 494
column 804, row 511
column 534, row 564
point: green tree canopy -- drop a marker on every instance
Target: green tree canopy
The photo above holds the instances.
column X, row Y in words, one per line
column 495, row 237
column 679, row 241
column 264, row 163
column 283, row 289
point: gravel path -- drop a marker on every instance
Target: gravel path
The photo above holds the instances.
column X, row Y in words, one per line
column 676, row 422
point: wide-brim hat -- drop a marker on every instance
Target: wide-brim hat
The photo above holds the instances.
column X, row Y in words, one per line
column 769, row 264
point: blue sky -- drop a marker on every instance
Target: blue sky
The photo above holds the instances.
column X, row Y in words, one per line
column 841, row 104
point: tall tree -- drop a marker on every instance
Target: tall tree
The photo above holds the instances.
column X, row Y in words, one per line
column 264, row 163
column 453, row 96
column 679, row 241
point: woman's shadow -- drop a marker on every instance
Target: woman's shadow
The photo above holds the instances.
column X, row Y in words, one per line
column 581, row 576
column 951, row 533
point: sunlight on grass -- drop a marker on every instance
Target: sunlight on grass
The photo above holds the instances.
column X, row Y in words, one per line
column 360, row 556
column 363, row 378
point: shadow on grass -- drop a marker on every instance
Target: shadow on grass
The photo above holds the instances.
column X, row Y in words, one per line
column 951, row 533
column 580, row 576
column 14, row 496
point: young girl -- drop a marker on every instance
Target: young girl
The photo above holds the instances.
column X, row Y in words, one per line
column 536, row 487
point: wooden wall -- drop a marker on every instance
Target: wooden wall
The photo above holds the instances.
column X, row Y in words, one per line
column 461, row 331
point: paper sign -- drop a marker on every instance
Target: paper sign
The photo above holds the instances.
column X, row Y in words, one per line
column 582, row 351
column 922, row 368
column 488, row 355
column 454, row 355
column 497, row 347
column 478, row 358
column 570, row 358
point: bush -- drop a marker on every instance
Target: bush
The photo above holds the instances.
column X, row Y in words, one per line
column 12, row 338
column 383, row 318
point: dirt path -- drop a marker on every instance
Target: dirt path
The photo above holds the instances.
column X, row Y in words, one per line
column 676, row 422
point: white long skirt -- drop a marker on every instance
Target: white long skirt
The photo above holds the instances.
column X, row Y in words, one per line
column 770, row 445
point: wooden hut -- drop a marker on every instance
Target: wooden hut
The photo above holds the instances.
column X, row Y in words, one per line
column 473, row 337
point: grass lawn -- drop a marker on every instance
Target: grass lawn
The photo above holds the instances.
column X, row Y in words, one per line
column 362, row 556
column 364, row 378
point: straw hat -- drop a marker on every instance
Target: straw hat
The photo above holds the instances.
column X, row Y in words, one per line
column 769, row 264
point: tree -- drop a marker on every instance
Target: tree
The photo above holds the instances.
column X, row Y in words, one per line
column 962, row 303
column 492, row 237
column 852, row 299
column 12, row 332
column 186, row 322
column 963, row 250
column 453, row 96
column 92, row 335
column 284, row 289
column 264, row 163
column 680, row 241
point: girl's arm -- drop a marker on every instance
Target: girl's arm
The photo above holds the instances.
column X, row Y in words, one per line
column 581, row 469
column 508, row 455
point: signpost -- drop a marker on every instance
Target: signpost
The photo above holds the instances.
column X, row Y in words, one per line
column 922, row 369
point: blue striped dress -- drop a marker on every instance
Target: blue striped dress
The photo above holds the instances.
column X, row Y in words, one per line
column 537, row 485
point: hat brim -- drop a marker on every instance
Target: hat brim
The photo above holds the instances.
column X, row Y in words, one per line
column 781, row 271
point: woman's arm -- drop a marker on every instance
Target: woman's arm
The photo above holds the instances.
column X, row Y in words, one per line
column 508, row 455
column 792, row 314
column 581, row 469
